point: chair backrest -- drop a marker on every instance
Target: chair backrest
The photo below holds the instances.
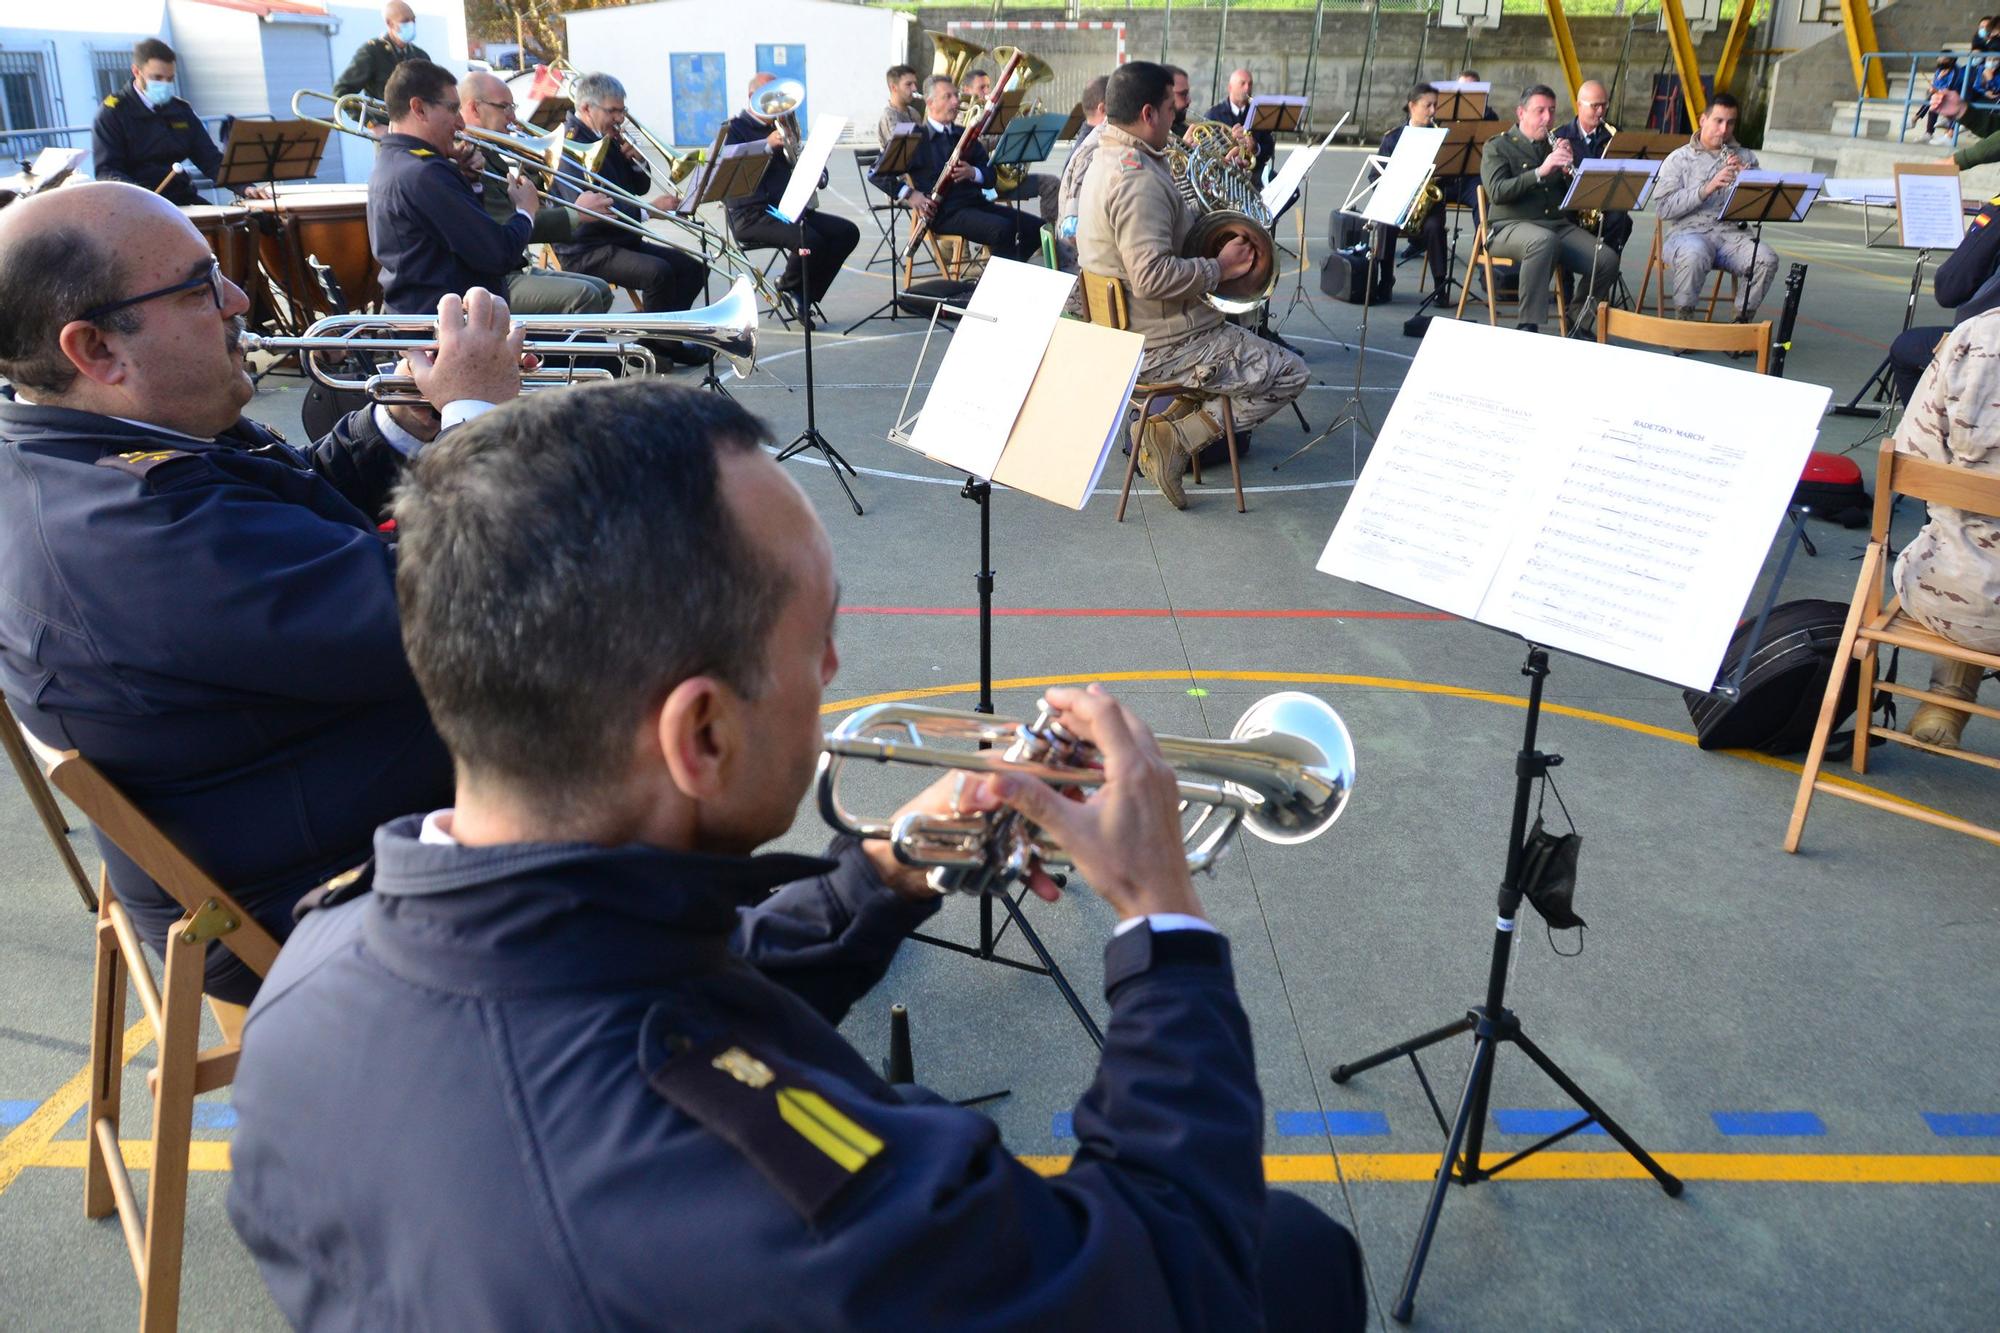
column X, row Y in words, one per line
column 114, row 815
column 1480, row 192
column 1933, row 483
column 1104, row 301
column 1686, row 335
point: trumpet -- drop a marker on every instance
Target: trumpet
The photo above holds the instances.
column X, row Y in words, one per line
column 1285, row 774
column 329, row 348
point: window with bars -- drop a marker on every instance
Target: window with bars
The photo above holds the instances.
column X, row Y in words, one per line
column 110, row 71
column 24, row 90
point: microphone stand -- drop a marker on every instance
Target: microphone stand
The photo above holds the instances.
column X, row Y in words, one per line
column 810, row 437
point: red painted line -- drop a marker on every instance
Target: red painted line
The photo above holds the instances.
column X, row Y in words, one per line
column 1142, row 613
column 1845, row 333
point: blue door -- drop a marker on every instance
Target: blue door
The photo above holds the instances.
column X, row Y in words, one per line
column 786, row 62
column 701, row 96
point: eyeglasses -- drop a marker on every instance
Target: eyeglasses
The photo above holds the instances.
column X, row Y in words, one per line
column 510, row 107
column 212, row 279
column 1597, row 104
column 443, row 106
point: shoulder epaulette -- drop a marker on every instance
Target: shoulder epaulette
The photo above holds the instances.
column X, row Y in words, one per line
column 423, row 152
column 111, row 99
column 139, row 462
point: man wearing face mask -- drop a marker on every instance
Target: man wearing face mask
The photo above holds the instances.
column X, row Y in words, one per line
column 378, row 57
column 144, row 133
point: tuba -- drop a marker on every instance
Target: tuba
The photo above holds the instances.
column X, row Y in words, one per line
column 1225, row 195
column 954, row 57
column 1034, row 69
column 1285, row 774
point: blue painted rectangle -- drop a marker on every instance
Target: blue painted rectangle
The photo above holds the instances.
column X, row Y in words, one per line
column 14, row 1112
column 1060, row 1125
column 1314, row 1124
column 1953, row 1126
column 1522, row 1121
column 1769, row 1123
column 701, row 95
column 786, row 60
column 214, row 1115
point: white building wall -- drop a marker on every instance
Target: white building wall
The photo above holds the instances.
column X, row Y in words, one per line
column 67, row 38
column 847, row 49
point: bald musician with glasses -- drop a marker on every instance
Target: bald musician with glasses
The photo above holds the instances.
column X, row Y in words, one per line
column 203, row 611
column 485, row 102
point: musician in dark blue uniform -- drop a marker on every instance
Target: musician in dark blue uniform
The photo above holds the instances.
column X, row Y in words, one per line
column 1589, row 135
column 572, row 1062
column 201, row 610
column 145, row 130
column 662, row 277
column 831, row 239
column 1235, row 110
column 427, row 225
column 962, row 210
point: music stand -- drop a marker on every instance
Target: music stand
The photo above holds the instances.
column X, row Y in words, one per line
column 1026, row 141
column 1274, row 115
column 1606, row 187
column 730, row 174
column 894, row 161
column 1459, row 156
column 1919, row 234
column 264, row 152
column 1461, row 101
column 1758, row 197
column 1071, row 124
column 1642, row 146
column 1008, row 107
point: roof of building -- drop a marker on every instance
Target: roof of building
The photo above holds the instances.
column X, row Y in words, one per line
column 266, row 8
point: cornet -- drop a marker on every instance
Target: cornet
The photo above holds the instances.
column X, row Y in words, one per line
column 328, row 347
column 1285, row 774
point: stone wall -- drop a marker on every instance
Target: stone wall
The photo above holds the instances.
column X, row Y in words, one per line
column 1807, row 84
column 1275, row 45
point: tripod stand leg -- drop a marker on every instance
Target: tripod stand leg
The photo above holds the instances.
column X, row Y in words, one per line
column 1341, row 1073
column 1476, row 1079
column 1076, row 1005
column 1668, row 1182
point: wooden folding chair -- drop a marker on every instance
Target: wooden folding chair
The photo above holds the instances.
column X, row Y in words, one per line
column 1489, row 266
column 1104, row 303
column 1656, row 263
column 1683, row 336
column 154, row 1239
column 44, row 801
column 1874, row 619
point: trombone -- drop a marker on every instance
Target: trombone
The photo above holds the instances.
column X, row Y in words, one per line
column 329, row 348
column 1285, row 774
column 679, row 165
column 546, row 155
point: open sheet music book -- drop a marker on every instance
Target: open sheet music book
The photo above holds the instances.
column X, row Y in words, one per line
column 1624, row 518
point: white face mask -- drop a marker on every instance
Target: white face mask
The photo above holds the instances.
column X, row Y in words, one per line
column 157, row 92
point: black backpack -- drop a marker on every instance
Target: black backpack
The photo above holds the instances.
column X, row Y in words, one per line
column 1783, row 686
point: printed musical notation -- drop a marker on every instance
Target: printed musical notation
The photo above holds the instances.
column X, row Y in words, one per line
column 1624, row 519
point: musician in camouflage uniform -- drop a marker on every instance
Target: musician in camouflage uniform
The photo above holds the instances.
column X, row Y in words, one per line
column 1131, row 222
column 1949, row 576
column 1693, row 183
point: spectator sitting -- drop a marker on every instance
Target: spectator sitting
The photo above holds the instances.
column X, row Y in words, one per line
column 1987, row 38
column 1986, row 82
column 1948, row 577
column 1947, row 77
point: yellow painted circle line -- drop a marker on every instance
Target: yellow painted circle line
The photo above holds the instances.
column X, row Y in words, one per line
column 1359, row 682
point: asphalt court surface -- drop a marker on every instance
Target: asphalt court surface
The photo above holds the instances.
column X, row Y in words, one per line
column 1806, row 1039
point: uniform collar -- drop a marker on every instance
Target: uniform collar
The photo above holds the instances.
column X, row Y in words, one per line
column 579, row 131
column 1118, row 138
column 108, row 433
column 538, row 917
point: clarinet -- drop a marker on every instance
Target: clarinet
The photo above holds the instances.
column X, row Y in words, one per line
column 1795, row 285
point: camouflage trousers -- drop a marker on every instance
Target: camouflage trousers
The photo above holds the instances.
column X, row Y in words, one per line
column 1690, row 256
column 1258, row 377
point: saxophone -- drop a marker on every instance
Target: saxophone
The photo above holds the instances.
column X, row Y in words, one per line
column 1427, row 198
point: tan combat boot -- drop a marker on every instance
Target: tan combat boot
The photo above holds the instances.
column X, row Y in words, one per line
column 1153, row 465
column 1934, row 724
column 1181, row 432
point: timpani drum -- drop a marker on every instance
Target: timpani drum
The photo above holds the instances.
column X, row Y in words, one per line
column 227, row 229
column 326, row 222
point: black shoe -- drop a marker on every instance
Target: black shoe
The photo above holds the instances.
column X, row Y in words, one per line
column 1529, row 328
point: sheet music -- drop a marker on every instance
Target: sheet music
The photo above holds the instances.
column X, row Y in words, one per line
column 1292, row 174
column 1409, row 167
column 1930, row 209
column 818, row 147
column 1624, row 519
column 1581, row 179
column 990, row 366
column 1859, row 190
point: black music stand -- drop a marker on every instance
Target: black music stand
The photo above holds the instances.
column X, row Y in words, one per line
column 1071, row 123
column 810, row 437
column 1620, row 187
column 265, row 152
column 726, row 177
column 893, row 161
column 1787, row 198
column 1457, row 103
column 1274, row 115
column 1642, row 145
column 1004, row 111
column 1026, row 141
column 1880, row 385
column 1492, row 1024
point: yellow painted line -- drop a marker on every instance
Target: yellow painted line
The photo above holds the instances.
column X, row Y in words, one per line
column 1362, row 682
column 1307, row 1168
column 1758, row 1168
column 31, row 1138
